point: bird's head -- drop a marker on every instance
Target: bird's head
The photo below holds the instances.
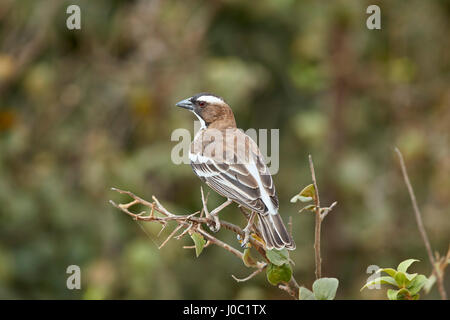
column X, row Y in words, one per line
column 211, row 110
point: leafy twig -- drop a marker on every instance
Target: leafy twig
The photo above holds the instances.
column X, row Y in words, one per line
column 311, row 193
column 318, row 221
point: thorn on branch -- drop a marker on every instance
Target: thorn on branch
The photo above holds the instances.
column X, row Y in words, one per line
column 184, row 232
column 170, row 236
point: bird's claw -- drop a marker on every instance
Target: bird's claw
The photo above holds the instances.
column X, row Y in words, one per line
column 246, row 240
column 245, row 245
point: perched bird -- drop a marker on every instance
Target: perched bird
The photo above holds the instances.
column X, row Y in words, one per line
column 230, row 162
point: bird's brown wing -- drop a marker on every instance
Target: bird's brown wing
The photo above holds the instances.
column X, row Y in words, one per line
column 238, row 172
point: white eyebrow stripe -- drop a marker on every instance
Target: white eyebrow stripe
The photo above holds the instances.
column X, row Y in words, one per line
column 210, row 99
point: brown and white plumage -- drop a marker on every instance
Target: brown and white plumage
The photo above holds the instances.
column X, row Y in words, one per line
column 230, row 162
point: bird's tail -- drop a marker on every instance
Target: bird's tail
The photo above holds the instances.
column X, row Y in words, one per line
column 274, row 232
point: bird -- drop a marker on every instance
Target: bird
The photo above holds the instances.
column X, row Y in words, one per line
column 230, row 163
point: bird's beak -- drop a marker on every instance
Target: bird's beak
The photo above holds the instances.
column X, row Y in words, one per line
column 186, row 104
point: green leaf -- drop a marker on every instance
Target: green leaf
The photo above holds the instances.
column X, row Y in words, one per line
column 308, row 192
column 306, row 195
column 276, row 274
column 278, row 257
column 429, row 284
column 392, row 294
column 325, row 288
column 417, row 284
column 381, row 280
column 389, row 271
column 401, row 279
column 298, row 197
column 416, row 297
column 305, row 294
column 305, row 199
column 199, row 242
column 249, row 261
column 311, row 208
column 410, row 276
column 403, row 266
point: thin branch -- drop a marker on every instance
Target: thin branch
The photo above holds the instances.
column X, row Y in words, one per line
column 257, row 271
column 191, row 221
column 170, row 236
column 220, row 243
column 294, row 284
column 132, row 195
column 423, row 233
column 289, row 290
column 178, row 237
column 164, row 225
column 318, row 222
column 325, row 211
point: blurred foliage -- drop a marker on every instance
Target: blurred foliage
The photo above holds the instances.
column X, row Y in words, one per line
column 84, row 110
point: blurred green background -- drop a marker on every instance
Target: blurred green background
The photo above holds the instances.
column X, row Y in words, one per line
column 85, row 110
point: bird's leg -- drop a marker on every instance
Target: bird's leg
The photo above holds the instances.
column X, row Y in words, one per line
column 214, row 215
column 247, row 217
column 247, row 229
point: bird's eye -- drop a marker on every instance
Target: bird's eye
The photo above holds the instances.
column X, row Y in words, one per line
column 202, row 103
